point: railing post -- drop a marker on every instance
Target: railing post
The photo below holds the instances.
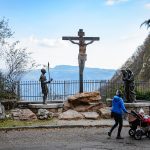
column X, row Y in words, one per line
column 64, row 90
column 106, row 90
column 18, row 90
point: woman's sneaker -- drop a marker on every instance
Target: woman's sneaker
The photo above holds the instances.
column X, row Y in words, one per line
column 119, row 137
column 109, row 134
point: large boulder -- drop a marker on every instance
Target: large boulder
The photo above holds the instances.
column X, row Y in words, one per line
column 92, row 107
column 44, row 114
column 89, row 102
column 91, row 115
column 105, row 112
column 70, row 115
column 67, row 106
column 84, row 98
column 81, row 102
column 23, row 114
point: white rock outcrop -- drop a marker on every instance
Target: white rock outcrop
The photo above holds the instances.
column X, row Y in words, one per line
column 70, row 115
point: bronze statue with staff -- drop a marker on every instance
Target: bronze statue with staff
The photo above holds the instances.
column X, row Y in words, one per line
column 44, row 83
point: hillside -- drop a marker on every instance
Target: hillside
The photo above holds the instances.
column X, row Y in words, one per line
column 139, row 63
column 65, row 72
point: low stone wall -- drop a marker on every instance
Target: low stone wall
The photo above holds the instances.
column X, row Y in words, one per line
column 136, row 107
column 133, row 106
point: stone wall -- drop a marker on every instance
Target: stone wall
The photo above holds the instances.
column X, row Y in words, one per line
column 137, row 106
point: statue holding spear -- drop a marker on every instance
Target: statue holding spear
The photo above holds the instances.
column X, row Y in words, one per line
column 44, row 83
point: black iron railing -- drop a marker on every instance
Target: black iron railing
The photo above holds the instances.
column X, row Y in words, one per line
column 60, row 90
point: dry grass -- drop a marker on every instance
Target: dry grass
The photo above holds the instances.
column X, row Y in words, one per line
column 17, row 123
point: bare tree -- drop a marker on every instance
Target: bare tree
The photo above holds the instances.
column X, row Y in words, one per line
column 17, row 60
column 5, row 33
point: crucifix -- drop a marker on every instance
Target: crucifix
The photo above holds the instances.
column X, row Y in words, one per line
column 82, row 56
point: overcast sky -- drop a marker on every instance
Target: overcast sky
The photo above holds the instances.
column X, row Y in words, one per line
column 40, row 24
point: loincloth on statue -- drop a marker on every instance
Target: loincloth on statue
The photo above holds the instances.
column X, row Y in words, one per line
column 82, row 57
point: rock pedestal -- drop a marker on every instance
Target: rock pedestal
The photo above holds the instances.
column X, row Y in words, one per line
column 83, row 102
column 82, row 105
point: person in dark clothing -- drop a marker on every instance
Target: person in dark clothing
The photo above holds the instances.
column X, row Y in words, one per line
column 117, row 113
column 44, row 87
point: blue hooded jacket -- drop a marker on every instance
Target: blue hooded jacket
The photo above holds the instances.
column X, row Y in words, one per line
column 118, row 105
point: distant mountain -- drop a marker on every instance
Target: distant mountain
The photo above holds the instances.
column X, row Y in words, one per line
column 66, row 72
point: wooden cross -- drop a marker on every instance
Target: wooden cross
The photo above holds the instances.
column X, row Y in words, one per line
column 82, row 57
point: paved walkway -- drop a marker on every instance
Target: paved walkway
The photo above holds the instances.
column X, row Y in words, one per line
column 86, row 122
column 93, row 138
column 70, row 135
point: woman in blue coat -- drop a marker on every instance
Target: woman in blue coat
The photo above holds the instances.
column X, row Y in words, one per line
column 117, row 113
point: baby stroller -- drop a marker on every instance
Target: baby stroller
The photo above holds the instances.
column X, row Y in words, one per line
column 138, row 126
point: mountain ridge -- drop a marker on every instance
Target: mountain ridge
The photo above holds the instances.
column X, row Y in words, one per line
column 68, row 72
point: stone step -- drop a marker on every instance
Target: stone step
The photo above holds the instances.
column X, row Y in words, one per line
column 45, row 106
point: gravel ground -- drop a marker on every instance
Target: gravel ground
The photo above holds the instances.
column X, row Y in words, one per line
column 88, row 122
column 69, row 139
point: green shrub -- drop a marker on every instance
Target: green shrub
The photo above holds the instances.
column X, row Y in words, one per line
column 7, row 95
column 143, row 95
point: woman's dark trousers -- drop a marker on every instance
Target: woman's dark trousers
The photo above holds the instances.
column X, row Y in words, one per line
column 118, row 120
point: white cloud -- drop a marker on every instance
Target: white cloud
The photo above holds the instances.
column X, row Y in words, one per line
column 56, row 51
column 107, row 53
column 133, row 36
column 44, row 42
column 147, row 5
column 112, row 2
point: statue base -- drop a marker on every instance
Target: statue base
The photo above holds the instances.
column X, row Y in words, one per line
column 52, row 107
column 133, row 106
column 137, row 105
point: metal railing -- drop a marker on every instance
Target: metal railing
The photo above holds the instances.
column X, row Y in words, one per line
column 60, row 90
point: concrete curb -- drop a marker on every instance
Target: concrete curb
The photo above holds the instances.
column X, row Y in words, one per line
column 54, row 126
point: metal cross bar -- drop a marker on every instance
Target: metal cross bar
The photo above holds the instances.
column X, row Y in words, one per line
column 78, row 38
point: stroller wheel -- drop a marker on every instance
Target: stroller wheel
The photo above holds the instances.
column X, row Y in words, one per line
column 148, row 134
column 131, row 132
column 138, row 134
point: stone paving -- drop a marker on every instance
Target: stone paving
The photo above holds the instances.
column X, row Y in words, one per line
column 83, row 138
column 86, row 122
column 71, row 135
